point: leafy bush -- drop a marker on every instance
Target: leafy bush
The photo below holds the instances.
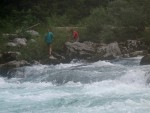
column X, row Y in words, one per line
column 146, row 36
column 35, row 50
column 121, row 20
column 95, row 23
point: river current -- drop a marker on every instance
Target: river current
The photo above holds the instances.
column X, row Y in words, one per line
column 119, row 86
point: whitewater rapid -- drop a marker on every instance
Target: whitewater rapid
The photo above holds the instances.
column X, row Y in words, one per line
column 119, row 86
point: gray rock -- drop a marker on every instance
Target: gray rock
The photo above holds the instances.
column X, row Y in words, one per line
column 60, row 57
column 20, row 41
column 11, row 44
column 124, row 50
column 77, row 49
column 126, row 55
column 52, row 57
column 32, row 40
column 109, row 51
column 134, row 45
column 137, row 53
column 145, row 60
column 14, row 64
column 93, row 51
column 35, row 62
column 33, row 32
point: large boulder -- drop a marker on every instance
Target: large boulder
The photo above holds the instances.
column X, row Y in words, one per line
column 109, row 51
column 134, row 45
column 132, row 48
column 92, row 51
column 14, row 64
column 145, row 60
column 79, row 50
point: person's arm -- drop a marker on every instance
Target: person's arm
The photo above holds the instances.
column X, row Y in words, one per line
column 52, row 37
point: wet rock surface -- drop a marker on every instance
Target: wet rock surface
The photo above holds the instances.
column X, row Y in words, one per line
column 145, row 60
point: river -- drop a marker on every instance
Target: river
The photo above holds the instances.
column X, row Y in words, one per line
column 119, row 86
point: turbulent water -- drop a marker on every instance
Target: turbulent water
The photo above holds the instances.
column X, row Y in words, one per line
column 119, row 86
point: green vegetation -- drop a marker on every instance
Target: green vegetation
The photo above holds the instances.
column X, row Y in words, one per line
column 121, row 20
column 96, row 20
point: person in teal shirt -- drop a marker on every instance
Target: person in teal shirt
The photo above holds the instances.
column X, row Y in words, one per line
column 49, row 39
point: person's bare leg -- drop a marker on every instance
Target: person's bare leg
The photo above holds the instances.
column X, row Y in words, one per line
column 50, row 50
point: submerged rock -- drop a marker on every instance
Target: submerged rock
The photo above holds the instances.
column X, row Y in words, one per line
column 145, row 60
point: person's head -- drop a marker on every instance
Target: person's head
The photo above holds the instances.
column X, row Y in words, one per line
column 49, row 29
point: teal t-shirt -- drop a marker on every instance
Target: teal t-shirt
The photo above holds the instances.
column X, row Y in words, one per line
column 49, row 37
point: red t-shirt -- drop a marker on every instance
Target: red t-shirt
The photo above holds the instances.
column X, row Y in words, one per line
column 75, row 35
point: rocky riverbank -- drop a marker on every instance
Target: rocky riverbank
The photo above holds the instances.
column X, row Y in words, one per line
column 97, row 51
column 87, row 50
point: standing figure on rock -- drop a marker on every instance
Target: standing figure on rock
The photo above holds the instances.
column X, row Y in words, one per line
column 75, row 35
column 49, row 39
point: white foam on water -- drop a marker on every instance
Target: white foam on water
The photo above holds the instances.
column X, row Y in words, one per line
column 135, row 76
column 64, row 66
column 113, row 88
column 134, row 81
column 100, row 64
column 87, row 98
column 36, row 67
column 2, row 81
column 35, row 95
column 26, row 92
column 128, row 93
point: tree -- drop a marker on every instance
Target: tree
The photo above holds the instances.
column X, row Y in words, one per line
column 120, row 20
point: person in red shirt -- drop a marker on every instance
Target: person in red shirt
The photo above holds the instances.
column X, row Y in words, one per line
column 75, row 35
